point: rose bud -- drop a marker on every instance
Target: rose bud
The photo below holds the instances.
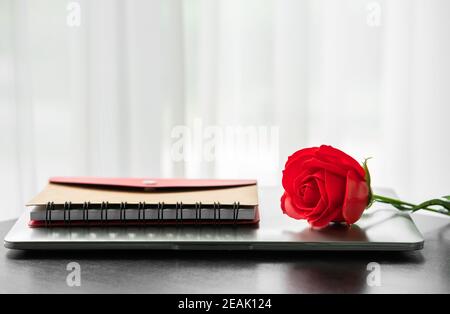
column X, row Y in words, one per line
column 323, row 185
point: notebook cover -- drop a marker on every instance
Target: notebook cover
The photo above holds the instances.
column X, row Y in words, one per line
column 149, row 183
column 77, row 193
column 79, row 190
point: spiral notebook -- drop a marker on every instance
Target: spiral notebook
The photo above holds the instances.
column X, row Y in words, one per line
column 79, row 201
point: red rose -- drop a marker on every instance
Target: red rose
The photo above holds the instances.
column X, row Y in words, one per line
column 323, row 185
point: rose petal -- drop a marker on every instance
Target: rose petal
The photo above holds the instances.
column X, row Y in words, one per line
column 312, row 194
column 292, row 172
column 356, row 198
column 294, row 167
column 283, row 200
column 335, row 186
column 335, row 190
column 320, row 181
column 327, row 217
column 302, row 153
column 323, row 217
column 297, row 197
column 331, row 154
column 315, row 164
column 320, row 210
column 289, row 209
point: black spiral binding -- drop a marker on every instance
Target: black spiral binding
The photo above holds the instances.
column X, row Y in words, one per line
column 66, row 211
column 179, row 212
column 48, row 213
column 123, row 212
column 141, row 207
column 160, row 211
column 104, row 209
column 216, row 209
column 198, row 211
column 236, row 206
column 86, row 206
column 141, row 212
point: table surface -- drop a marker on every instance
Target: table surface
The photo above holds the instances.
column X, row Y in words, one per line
column 424, row 271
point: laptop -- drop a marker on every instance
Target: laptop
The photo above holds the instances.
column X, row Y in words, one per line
column 381, row 228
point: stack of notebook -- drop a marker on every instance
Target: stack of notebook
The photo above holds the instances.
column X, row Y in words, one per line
column 79, row 201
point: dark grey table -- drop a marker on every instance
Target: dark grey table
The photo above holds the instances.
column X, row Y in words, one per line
column 425, row 271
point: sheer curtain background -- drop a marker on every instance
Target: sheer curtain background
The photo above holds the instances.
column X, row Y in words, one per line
column 369, row 77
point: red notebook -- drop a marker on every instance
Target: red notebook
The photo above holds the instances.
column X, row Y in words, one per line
column 86, row 201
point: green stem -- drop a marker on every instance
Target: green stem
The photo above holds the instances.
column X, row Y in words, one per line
column 433, row 202
column 389, row 200
column 402, row 205
column 435, row 211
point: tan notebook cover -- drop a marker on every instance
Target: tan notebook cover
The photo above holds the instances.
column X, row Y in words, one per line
column 246, row 195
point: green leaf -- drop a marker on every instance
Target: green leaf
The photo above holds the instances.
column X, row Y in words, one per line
column 368, row 180
column 447, row 197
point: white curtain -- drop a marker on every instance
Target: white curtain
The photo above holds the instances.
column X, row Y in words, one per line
column 106, row 98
